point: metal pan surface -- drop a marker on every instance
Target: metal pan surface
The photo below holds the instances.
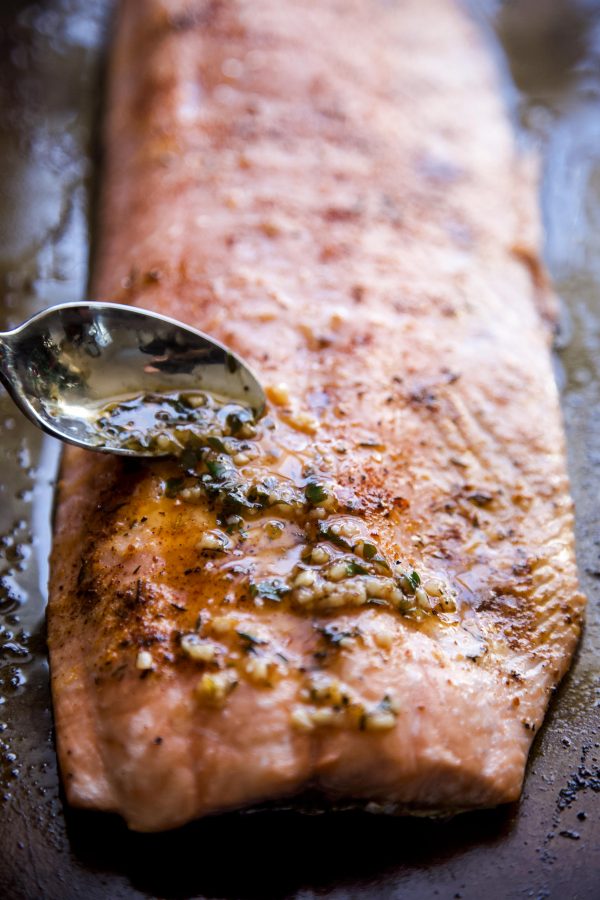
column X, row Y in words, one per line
column 51, row 55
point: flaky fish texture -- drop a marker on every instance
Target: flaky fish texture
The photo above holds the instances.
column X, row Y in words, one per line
column 333, row 190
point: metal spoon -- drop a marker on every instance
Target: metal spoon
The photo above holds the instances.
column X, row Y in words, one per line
column 62, row 365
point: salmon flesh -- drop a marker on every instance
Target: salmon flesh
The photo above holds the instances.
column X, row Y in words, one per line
column 372, row 591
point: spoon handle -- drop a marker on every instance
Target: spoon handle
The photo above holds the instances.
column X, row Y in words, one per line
column 4, row 359
column 7, row 376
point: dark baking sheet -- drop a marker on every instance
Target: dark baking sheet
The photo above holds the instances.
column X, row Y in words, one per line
column 547, row 846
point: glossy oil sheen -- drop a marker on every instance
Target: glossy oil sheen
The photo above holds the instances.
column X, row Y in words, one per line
column 549, row 845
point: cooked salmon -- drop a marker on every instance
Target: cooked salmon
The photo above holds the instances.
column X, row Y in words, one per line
column 371, row 592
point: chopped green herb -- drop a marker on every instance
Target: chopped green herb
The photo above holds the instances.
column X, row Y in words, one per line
column 173, row 486
column 270, row 589
column 327, row 532
column 315, row 492
column 415, row 579
column 355, row 568
column 234, row 523
column 259, row 493
column 409, row 582
column 381, row 565
column 217, row 444
column 237, row 420
column 216, row 468
column 170, row 424
column 189, row 457
column 335, row 636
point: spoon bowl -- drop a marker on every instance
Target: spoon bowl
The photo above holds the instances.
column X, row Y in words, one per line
column 64, row 364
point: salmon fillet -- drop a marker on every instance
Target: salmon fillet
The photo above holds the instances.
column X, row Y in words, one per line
column 331, row 189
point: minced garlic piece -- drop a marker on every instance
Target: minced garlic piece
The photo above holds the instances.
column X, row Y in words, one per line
column 261, row 671
column 198, row 649
column 345, row 528
column 422, row 599
column 383, row 639
column 193, row 494
column 319, row 555
column 392, row 702
column 213, row 689
column 223, row 624
column 306, row 718
column 144, row 660
column 301, row 718
column 305, row 578
column 378, row 587
column 337, row 571
column 347, row 593
column 213, row 540
column 380, row 721
column 257, row 670
column 195, row 400
column 330, row 702
column 324, row 716
column 434, row 588
column 347, row 642
column 163, row 442
column 324, row 688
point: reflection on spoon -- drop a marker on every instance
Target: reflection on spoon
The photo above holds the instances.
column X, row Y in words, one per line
column 119, row 379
